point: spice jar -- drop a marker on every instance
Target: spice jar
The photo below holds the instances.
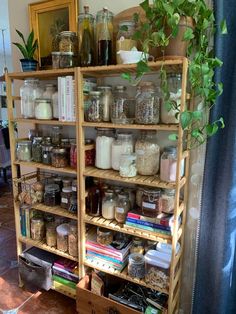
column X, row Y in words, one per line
column 89, row 153
column 148, row 153
column 46, row 154
column 136, row 266
column 168, row 165
column 147, row 104
column 43, row 109
column 109, row 203
column 68, row 42
column 119, row 108
column 37, row 228
column 124, row 39
column 95, row 108
column 137, row 246
column 52, row 195
column 62, row 237
column 106, row 101
column 104, row 140
column 168, row 201
column 51, row 234
column 28, row 93
column 122, row 145
column 151, row 206
column 23, row 151
column 59, row 158
column 37, row 149
column 73, row 155
column 122, row 208
column 73, row 240
column 55, row 59
column 104, row 236
column 128, row 165
column 67, row 60
column 56, row 135
column 65, row 197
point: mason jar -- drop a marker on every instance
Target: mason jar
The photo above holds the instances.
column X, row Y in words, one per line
column 109, row 203
column 28, row 93
column 68, row 42
column 37, row 149
column 122, row 145
column 119, row 108
column 23, row 151
column 95, row 108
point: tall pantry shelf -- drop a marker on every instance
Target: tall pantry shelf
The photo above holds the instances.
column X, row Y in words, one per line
column 177, row 65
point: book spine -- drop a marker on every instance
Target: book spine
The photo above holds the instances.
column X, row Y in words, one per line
column 68, row 84
column 63, row 99
column 159, row 221
column 103, row 251
column 133, row 215
column 131, row 224
column 27, row 222
column 65, row 275
column 114, row 260
column 22, row 222
column 149, row 224
column 65, row 282
column 59, row 98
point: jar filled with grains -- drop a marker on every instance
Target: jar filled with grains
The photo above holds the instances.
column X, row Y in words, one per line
column 37, row 228
column 66, row 195
column 73, row 240
column 122, row 208
column 168, row 201
column 120, row 108
column 51, row 234
column 104, row 236
column 56, row 135
column 106, row 100
column 62, row 237
column 168, row 164
column 122, row 145
column 59, row 157
column 23, row 151
column 52, row 195
column 136, row 266
column 95, row 109
column 37, row 149
column 128, row 167
column 151, row 200
column 73, row 155
column 68, row 42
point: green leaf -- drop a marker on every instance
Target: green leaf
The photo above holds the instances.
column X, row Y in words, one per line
column 222, row 123
column 205, row 23
column 145, row 5
column 142, row 67
column 188, row 34
column 30, row 41
column 211, row 129
column 185, row 119
column 22, row 50
column 21, row 36
column 136, row 17
column 220, row 88
column 173, row 137
column 137, row 35
column 168, row 105
column 169, row 8
column 197, row 115
column 124, row 28
column 223, row 27
column 126, row 76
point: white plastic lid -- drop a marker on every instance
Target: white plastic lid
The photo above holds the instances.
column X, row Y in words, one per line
column 155, row 258
column 166, row 247
column 63, row 229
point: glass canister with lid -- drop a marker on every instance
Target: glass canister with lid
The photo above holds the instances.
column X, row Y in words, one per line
column 122, row 145
column 136, row 266
column 128, row 167
column 46, row 154
column 151, row 202
column 168, row 201
column 119, row 108
column 67, row 60
column 122, row 208
column 23, row 151
column 147, row 104
column 37, row 149
column 168, row 165
column 59, row 157
column 28, row 93
column 106, row 101
column 148, row 153
column 52, row 195
column 109, row 203
column 37, row 228
column 94, row 111
column 62, row 237
column 68, row 42
column 104, row 140
column 43, row 109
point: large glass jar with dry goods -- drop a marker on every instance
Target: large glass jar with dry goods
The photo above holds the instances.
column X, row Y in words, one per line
column 122, row 208
column 37, row 149
column 124, row 40
column 37, row 228
column 168, row 201
column 151, row 202
column 136, row 266
column 28, row 93
column 62, row 237
column 119, row 108
column 168, row 164
column 104, row 140
column 23, row 151
column 95, row 108
column 73, row 240
column 148, row 153
column 122, row 145
column 51, row 234
column 147, row 104
column 68, row 42
column 52, row 195
column 109, row 204
column 106, row 101
column 59, row 157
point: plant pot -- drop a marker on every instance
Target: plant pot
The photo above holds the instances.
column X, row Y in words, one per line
column 28, row 65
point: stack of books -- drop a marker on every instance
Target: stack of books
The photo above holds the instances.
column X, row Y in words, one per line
column 66, row 98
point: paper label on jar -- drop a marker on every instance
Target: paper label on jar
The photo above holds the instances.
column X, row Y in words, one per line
column 120, row 210
column 45, row 156
column 149, row 205
column 74, row 189
column 140, row 152
column 64, row 200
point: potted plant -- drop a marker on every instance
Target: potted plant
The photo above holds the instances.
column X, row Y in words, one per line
column 163, row 28
column 28, row 48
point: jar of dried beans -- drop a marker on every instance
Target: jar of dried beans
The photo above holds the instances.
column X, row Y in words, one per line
column 151, row 202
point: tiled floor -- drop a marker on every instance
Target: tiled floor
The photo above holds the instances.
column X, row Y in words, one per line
column 12, row 298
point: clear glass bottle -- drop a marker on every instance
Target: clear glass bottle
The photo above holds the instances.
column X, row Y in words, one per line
column 120, row 108
column 106, row 100
column 28, row 93
column 168, row 164
column 23, row 151
column 122, row 208
column 109, row 204
column 147, row 104
column 95, row 108
column 37, row 149
column 148, row 153
column 56, row 135
column 122, row 145
column 124, row 39
column 104, row 140
column 49, row 91
column 86, row 38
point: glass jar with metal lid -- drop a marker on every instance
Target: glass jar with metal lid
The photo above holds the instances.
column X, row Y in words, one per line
column 109, row 203
column 68, row 42
column 120, row 108
column 122, row 145
column 106, row 100
column 104, row 140
column 66, row 195
column 151, row 200
column 122, row 208
column 43, row 109
column 56, row 135
column 37, row 228
column 59, row 157
column 167, row 200
column 168, row 165
column 137, row 246
column 52, row 196
column 37, row 149
column 67, row 60
column 95, row 108
column 23, row 151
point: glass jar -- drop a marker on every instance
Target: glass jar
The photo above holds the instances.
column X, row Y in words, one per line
column 56, row 135
column 151, row 200
column 94, row 201
column 73, row 155
column 23, row 151
column 66, row 195
column 49, row 91
column 55, row 59
column 59, row 157
column 37, row 149
column 122, row 145
column 89, row 153
column 73, row 240
column 68, row 42
column 43, row 109
column 122, row 208
column 37, row 228
column 28, row 93
column 119, row 108
column 47, row 140
column 137, row 246
column 128, row 167
column 66, row 182
column 32, row 133
column 104, row 236
column 147, row 104
column 52, row 195
column 67, row 60
column 58, row 181
column 106, row 101
column 124, row 39
column 168, row 165
column 136, row 266
column 104, row 140
column 62, row 237
column 168, row 201
column 73, row 205
column 149, row 245
column 74, row 186
column 139, row 195
column 148, row 153
column 55, row 107
column 174, row 82
column 95, row 109
column 46, row 154
column 109, row 203
column 51, row 234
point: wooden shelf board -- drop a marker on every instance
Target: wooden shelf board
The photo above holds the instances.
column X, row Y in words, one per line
column 46, row 167
column 56, row 210
column 45, row 247
column 113, row 175
column 113, row 225
column 64, row 291
column 123, row 274
column 42, row 74
column 45, row 122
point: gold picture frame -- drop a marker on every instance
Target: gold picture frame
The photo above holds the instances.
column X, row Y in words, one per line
column 48, row 18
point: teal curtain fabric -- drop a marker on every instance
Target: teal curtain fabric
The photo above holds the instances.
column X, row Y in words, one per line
column 215, row 287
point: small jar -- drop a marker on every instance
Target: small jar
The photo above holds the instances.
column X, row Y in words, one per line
column 109, row 203
column 37, row 229
column 73, row 240
column 51, row 234
column 120, row 108
column 168, row 165
column 52, row 195
column 66, row 182
column 94, row 201
column 106, row 101
column 168, row 201
column 46, row 154
column 151, row 199
column 147, row 104
column 104, row 236
column 59, row 157
column 37, row 149
column 137, row 246
column 122, row 145
column 128, row 167
column 62, row 237
column 122, row 208
column 89, row 153
column 95, row 109
column 136, row 266
column 43, row 109
column 56, row 135
column 66, row 195
column 56, row 59
column 104, row 140
column 68, row 42
column 67, row 60
column 23, row 151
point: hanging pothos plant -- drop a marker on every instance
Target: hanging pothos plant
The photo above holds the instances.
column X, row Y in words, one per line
column 160, row 26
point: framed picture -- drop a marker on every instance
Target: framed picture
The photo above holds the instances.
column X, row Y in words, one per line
column 48, row 19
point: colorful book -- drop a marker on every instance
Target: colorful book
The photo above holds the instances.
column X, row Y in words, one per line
column 22, row 222
column 107, row 258
column 161, row 219
column 137, row 226
column 65, row 274
column 64, row 281
column 66, row 264
column 147, row 223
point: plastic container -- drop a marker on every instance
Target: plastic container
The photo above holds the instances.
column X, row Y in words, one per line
column 52, row 195
column 136, row 266
column 62, row 237
column 151, row 199
column 43, row 109
column 104, row 236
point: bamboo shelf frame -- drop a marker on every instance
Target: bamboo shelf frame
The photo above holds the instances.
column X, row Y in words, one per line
column 44, row 122
column 56, row 210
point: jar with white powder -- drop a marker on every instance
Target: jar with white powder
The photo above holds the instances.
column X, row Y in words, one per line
column 109, row 204
column 122, row 145
column 104, row 140
column 168, row 163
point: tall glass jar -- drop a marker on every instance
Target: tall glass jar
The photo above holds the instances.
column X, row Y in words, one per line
column 95, row 108
column 122, row 208
column 136, row 266
column 56, row 135
column 174, row 82
column 168, row 164
column 151, row 202
column 109, row 204
column 73, row 240
column 28, row 93
column 122, row 145
column 37, row 149
column 55, row 108
column 23, row 151
column 147, row 104
column 148, row 153
column 106, row 100
column 120, row 108
column 49, row 90
column 168, row 201
column 94, row 201
column 104, row 140
column 68, row 42
column 37, row 229
column 124, row 39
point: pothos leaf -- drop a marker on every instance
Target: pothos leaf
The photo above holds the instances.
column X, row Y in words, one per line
column 188, row 34
column 223, row 27
column 211, row 129
column 173, row 137
column 185, row 119
column 126, row 76
column 142, row 67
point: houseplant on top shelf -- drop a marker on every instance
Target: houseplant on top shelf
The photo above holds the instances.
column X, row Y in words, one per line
column 28, row 48
column 161, row 26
